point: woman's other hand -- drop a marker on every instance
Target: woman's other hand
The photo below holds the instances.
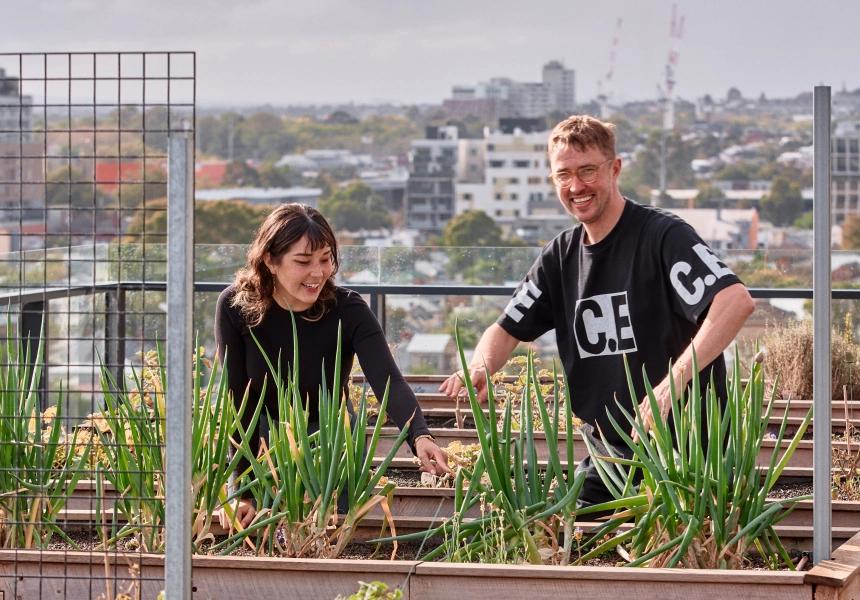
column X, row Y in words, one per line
column 433, row 458
column 243, row 510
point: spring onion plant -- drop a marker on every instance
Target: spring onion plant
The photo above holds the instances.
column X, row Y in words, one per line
column 700, row 504
column 39, row 465
column 528, row 513
column 135, row 450
column 300, row 474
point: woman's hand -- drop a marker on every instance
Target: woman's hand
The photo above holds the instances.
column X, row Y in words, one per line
column 243, row 510
column 433, row 458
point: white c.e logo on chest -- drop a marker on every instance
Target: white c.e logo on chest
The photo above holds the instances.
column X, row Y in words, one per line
column 693, row 296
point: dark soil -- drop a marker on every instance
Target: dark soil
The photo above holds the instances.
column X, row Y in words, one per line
column 404, row 477
column 408, row 550
column 791, row 489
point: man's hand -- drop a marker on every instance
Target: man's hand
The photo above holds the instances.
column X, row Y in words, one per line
column 243, row 510
column 455, row 385
column 433, row 458
column 493, row 349
column 663, row 394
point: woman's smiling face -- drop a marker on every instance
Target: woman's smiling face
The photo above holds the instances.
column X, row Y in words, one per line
column 300, row 274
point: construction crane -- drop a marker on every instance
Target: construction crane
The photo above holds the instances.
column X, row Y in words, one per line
column 676, row 33
column 604, row 86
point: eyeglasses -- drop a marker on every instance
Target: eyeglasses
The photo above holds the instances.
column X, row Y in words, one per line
column 587, row 174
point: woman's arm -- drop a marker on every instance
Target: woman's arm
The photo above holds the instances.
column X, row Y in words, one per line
column 379, row 368
column 231, row 351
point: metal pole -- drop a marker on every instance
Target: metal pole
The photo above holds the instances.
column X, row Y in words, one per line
column 180, row 277
column 821, row 384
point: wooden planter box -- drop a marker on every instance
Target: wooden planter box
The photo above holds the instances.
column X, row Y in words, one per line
column 81, row 575
column 802, row 457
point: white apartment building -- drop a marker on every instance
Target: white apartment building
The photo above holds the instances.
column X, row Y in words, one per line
column 515, row 192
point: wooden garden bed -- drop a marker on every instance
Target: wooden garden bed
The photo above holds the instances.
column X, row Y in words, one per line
column 81, row 575
column 802, row 457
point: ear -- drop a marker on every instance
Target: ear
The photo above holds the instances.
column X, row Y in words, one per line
column 267, row 258
column 616, row 167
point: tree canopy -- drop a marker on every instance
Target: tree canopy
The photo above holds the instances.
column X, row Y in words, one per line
column 472, row 228
column 784, row 203
column 355, row 207
column 215, row 222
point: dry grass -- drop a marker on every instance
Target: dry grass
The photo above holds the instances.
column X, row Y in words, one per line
column 789, row 354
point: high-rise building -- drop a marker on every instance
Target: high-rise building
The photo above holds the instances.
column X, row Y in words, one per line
column 561, row 84
column 845, row 171
column 432, row 171
column 16, row 116
column 22, row 172
column 502, row 97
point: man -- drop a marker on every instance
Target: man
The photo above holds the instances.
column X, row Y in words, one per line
column 627, row 280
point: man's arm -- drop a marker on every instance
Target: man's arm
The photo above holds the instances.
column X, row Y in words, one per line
column 493, row 350
column 729, row 310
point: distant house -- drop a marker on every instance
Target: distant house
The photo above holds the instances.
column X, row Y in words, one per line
column 723, row 229
column 432, row 352
column 210, row 173
column 109, row 174
column 309, row 196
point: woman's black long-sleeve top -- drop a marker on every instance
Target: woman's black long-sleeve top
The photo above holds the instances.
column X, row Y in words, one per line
column 317, row 341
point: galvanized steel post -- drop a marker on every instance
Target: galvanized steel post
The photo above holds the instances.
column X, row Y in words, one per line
column 821, row 294
column 180, row 283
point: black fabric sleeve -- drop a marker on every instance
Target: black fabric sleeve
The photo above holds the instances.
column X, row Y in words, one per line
column 695, row 274
column 231, row 350
column 379, row 367
column 529, row 314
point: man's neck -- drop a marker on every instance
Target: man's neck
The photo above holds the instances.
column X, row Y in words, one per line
column 595, row 232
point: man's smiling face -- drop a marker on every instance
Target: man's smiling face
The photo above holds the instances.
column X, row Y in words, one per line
column 587, row 202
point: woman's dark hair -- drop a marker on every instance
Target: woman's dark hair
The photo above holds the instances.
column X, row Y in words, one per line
column 285, row 225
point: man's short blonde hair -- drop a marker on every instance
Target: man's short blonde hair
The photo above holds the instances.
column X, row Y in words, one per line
column 583, row 132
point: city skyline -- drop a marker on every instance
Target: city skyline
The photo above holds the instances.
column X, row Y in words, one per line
column 378, row 51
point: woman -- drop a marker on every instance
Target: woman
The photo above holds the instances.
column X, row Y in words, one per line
column 291, row 266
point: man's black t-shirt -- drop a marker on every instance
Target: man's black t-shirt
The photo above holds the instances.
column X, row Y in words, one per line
column 317, row 342
column 642, row 292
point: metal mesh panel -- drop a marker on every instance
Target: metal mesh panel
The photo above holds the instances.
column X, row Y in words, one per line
column 83, row 186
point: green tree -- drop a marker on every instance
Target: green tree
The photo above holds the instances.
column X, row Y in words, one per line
column 67, row 186
column 851, row 233
column 783, row 204
column 215, row 222
column 472, row 228
column 240, row 174
column 272, row 176
column 709, row 196
column 355, row 207
column 804, row 221
column 132, row 195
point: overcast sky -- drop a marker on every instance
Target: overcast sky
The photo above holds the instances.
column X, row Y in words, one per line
column 411, row 51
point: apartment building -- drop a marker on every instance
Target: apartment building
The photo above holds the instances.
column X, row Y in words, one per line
column 845, row 171
column 432, row 172
column 502, row 97
column 562, row 86
column 515, row 190
column 22, row 171
column 16, row 115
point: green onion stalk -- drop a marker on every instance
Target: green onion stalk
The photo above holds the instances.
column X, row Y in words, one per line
column 702, row 501
column 528, row 513
column 299, row 475
column 40, row 465
column 135, row 453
